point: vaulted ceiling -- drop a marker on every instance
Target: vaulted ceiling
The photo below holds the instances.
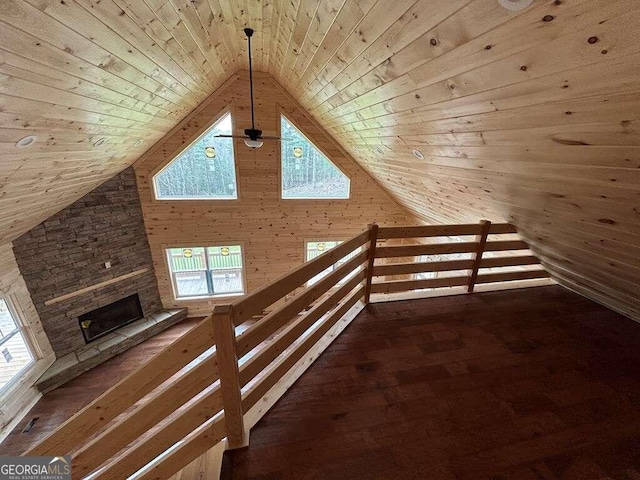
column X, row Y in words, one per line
column 529, row 116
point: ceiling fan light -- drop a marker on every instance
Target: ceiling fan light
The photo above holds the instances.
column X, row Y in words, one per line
column 515, row 5
column 253, row 143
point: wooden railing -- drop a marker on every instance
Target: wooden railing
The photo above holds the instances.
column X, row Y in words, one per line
column 482, row 248
column 198, row 391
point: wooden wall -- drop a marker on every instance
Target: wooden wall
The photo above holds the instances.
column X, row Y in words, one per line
column 22, row 394
column 272, row 231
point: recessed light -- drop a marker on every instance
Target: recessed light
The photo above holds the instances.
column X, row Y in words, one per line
column 26, row 141
column 515, row 5
column 139, row 142
column 98, row 142
column 418, row 154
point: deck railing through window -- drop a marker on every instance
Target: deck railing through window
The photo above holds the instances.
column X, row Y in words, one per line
column 198, row 391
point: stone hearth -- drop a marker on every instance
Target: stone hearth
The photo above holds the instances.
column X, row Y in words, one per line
column 73, row 364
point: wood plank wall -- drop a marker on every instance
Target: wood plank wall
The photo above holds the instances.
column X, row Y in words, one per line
column 272, row 231
column 22, row 394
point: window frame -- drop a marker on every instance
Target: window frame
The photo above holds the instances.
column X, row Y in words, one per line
column 288, row 116
column 21, row 330
column 170, row 272
column 229, row 109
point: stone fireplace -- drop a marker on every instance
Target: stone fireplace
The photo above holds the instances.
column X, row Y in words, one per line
column 84, row 260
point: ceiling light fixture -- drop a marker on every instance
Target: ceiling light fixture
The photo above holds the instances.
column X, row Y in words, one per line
column 98, row 142
column 515, row 5
column 418, row 154
column 251, row 143
column 26, row 141
column 138, row 143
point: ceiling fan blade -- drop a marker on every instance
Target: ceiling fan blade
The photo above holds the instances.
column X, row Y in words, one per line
column 275, row 138
column 230, row 136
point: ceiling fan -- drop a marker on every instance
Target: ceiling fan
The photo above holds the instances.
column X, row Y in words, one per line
column 252, row 137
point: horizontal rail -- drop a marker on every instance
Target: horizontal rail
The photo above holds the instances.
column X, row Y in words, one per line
column 428, row 249
column 427, row 231
column 195, row 445
column 127, row 392
column 403, row 285
column 503, row 245
column 269, row 324
column 164, row 403
column 511, row 276
column 421, row 267
column 260, row 299
column 175, row 430
column 496, row 262
column 385, row 233
column 281, row 368
column 501, row 228
column 259, row 362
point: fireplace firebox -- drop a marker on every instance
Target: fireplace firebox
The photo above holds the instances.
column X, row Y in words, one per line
column 99, row 322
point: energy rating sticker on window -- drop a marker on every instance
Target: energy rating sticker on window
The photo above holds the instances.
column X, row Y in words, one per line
column 15, row 355
column 206, row 271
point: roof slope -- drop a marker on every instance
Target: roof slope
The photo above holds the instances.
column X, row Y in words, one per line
column 530, row 117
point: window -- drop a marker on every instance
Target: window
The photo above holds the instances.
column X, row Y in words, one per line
column 315, row 249
column 206, row 271
column 15, row 355
column 306, row 172
column 204, row 171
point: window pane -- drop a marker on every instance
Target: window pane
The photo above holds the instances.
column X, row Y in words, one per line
column 206, row 170
column 191, row 284
column 306, row 172
column 227, row 281
column 7, row 324
column 14, row 351
column 187, row 259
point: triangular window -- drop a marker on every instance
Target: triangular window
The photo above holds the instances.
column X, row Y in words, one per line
column 204, row 171
column 306, row 171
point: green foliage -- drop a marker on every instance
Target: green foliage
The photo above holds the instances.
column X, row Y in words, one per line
column 310, row 175
column 217, row 261
column 193, row 175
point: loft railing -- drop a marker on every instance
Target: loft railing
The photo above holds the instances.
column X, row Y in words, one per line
column 198, row 391
column 482, row 249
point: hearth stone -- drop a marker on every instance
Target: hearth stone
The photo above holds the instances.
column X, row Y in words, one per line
column 73, row 364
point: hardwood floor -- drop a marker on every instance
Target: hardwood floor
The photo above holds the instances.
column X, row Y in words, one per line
column 530, row 384
column 55, row 407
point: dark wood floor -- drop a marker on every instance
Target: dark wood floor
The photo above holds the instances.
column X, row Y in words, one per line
column 529, row 384
column 55, row 407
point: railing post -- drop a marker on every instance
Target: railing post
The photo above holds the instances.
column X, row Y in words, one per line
column 373, row 238
column 225, row 338
column 481, row 240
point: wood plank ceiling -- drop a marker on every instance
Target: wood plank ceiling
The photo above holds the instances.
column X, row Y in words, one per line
column 529, row 116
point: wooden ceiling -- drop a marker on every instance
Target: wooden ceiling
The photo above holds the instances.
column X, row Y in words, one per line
column 529, row 117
